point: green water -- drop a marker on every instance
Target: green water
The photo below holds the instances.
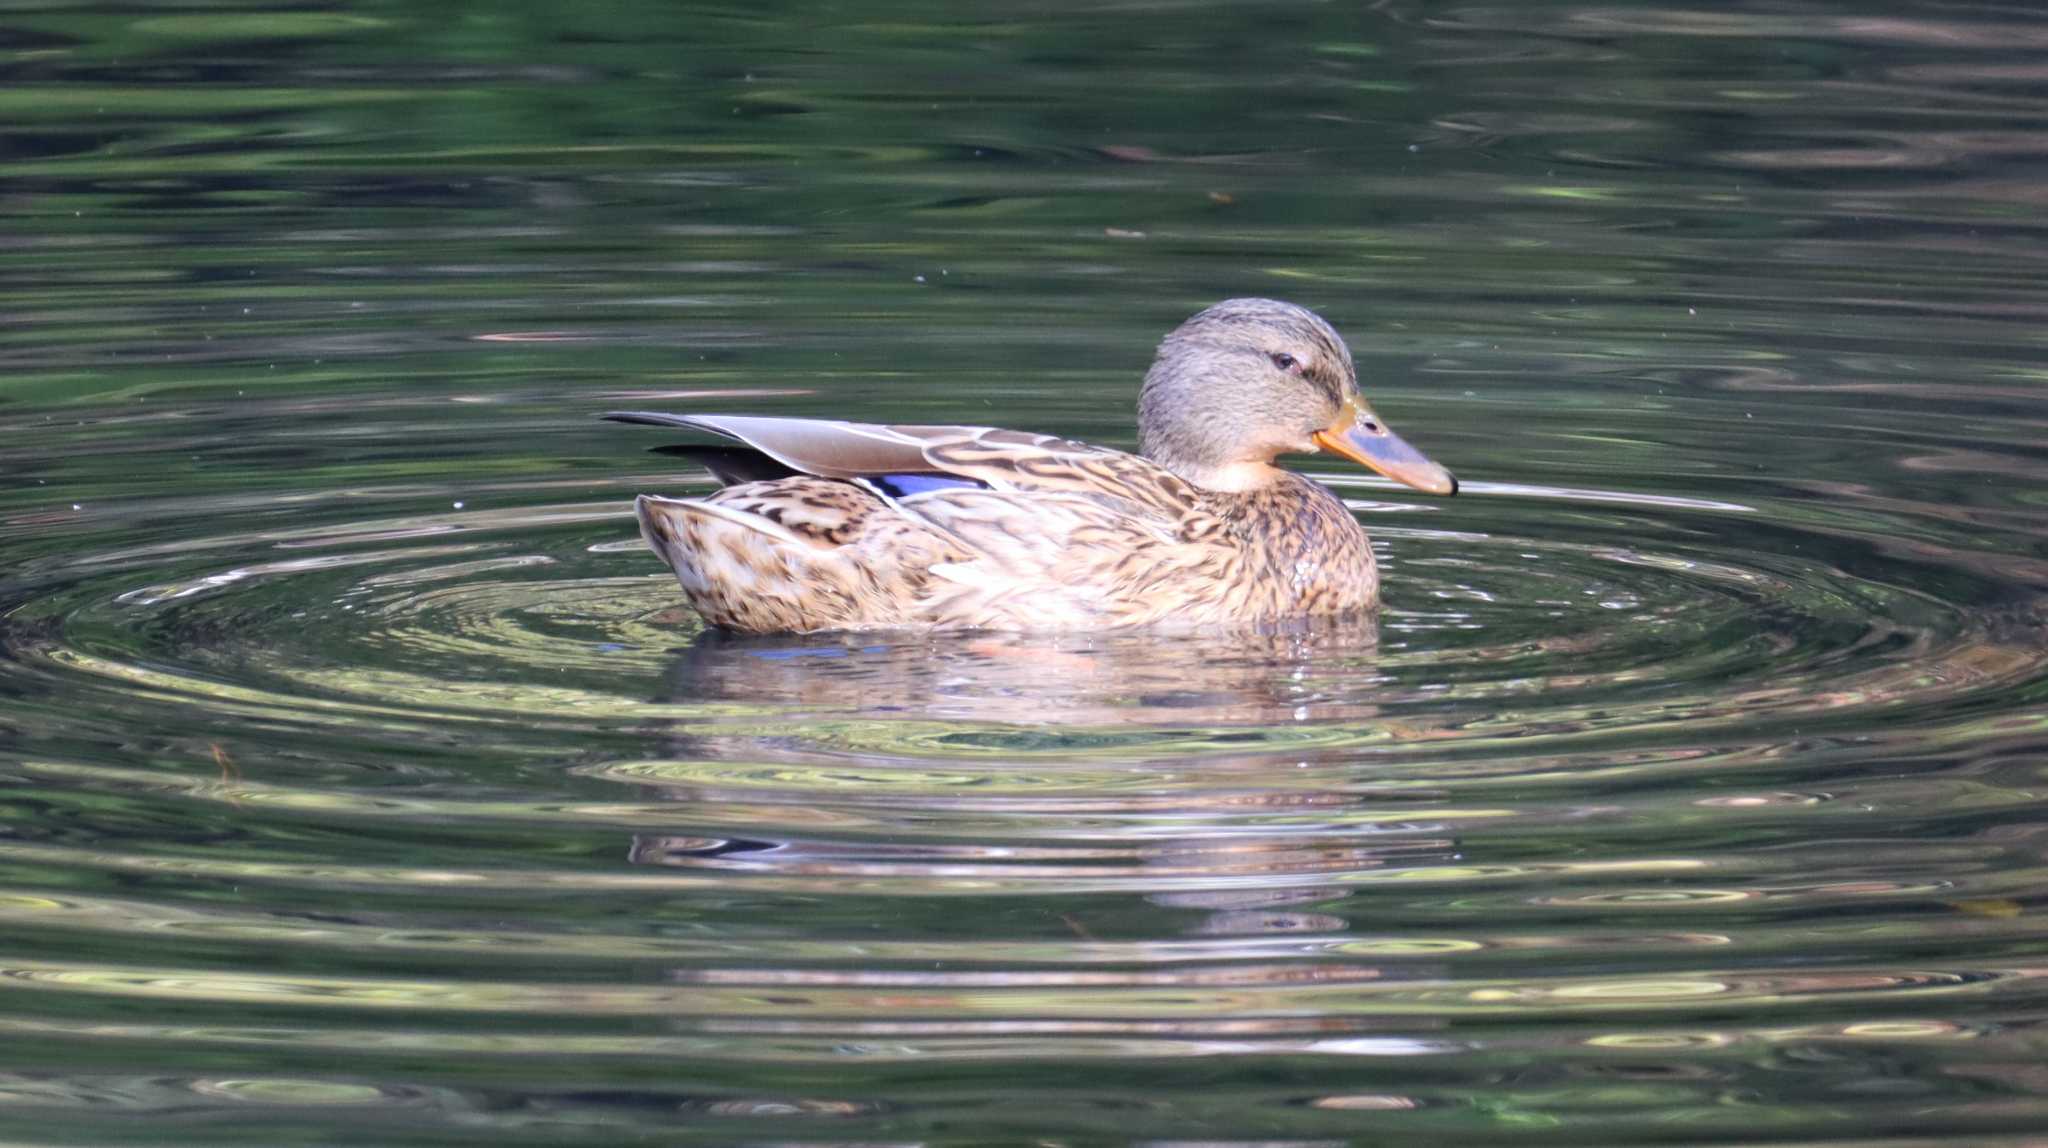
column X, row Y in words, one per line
column 364, row 780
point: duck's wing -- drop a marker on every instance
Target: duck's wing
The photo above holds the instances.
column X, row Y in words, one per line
column 997, row 459
column 827, row 448
column 951, row 526
column 1034, row 464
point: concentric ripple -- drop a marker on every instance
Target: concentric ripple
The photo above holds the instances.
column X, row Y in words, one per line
column 554, row 613
column 1523, row 662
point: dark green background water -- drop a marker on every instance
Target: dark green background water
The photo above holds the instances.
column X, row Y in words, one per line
column 362, row 779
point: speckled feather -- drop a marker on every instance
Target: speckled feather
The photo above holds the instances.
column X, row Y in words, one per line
column 1066, row 536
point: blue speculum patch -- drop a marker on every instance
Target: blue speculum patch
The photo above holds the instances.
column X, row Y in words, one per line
column 905, row 485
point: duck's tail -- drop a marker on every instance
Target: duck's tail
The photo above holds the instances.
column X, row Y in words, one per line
column 746, row 571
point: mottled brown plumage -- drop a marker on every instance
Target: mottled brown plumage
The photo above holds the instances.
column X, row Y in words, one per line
column 947, row 527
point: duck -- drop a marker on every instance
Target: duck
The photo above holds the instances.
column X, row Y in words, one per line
column 823, row 525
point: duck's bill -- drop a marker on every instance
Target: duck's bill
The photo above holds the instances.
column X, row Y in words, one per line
column 1359, row 435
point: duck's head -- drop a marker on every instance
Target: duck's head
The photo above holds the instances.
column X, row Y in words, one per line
column 1249, row 380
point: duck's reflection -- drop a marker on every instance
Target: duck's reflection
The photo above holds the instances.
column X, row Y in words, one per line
column 1213, row 773
column 1138, row 678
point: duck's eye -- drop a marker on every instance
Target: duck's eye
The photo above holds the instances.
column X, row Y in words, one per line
column 1287, row 362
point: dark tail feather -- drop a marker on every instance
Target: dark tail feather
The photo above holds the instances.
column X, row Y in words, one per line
column 650, row 418
column 729, row 464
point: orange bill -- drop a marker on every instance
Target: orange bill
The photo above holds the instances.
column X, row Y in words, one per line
column 1359, row 435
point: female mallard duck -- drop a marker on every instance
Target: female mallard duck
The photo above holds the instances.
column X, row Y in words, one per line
column 828, row 525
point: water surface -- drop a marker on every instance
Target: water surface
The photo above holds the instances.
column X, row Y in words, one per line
column 365, row 780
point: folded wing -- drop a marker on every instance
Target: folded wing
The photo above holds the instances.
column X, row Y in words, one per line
column 1011, row 530
column 1001, row 460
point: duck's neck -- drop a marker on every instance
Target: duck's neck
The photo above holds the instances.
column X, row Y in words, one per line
column 1282, row 498
column 1233, row 478
column 1219, row 454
